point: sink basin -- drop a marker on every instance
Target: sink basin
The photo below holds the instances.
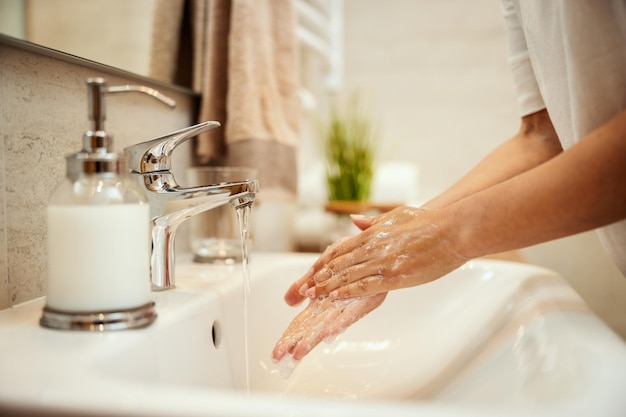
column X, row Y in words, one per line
column 492, row 338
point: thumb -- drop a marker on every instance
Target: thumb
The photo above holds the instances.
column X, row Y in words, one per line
column 360, row 221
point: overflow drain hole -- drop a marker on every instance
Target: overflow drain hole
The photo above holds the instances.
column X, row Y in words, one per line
column 216, row 334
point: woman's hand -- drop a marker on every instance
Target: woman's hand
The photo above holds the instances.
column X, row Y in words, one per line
column 296, row 292
column 322, row 319
column 402, row 248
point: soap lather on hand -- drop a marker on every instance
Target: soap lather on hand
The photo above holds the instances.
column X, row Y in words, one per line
column 352, row 277
column 323, row 319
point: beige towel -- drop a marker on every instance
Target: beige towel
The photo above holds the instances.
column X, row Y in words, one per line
column 245, row 65
column 169, row 54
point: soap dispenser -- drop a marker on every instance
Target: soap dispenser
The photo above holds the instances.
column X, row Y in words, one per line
column 99, row 235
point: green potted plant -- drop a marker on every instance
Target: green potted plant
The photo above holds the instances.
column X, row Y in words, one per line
column 350, row 140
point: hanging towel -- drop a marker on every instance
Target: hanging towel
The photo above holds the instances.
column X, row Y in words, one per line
column 245, row 66
column 170, row 54
column 262, row 108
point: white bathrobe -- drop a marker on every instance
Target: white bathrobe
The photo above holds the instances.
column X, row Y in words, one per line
column 569, row 57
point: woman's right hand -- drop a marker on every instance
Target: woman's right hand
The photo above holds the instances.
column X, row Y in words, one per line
column 322, row 319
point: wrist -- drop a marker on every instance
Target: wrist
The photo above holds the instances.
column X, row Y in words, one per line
column 462, row 224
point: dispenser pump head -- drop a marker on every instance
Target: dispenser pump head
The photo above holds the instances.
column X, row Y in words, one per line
column 96, row 139
column 97, row 156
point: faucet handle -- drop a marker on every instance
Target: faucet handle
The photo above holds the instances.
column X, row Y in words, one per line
column 154, row 155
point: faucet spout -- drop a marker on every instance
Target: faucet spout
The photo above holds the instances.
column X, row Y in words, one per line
column 171, row 204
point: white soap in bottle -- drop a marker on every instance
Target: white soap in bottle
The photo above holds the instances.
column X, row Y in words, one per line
column 98, row 239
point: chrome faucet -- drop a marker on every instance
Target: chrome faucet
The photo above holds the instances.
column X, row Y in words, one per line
column 171, row 204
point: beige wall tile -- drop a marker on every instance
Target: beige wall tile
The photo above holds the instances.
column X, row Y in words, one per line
column 44, row 115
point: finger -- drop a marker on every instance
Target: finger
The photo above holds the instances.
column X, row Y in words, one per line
column 352, row 251
column 335, row 250
column 360, row 221
column 345, row 256
column 296, row 292
column 293, row 297
column 367, row 286
column 292, row 335
column 283, row 347
column 303, row 333
column 349, row 274
column 343, row 313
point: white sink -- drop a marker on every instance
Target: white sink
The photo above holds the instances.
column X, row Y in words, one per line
column 490, row 339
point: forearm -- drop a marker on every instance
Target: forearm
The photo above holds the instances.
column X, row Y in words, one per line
column 535, row 143
column 578, row 190
column 581, row 188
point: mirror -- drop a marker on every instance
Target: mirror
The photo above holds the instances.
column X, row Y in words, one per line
column 112, row 32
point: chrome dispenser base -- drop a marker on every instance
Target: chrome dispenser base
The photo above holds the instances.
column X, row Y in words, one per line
column 98, row 322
